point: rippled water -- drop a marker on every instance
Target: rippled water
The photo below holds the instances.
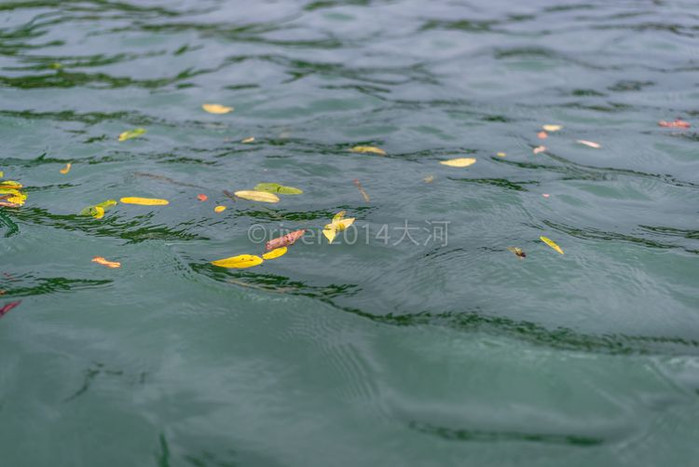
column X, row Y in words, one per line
column 372, row 352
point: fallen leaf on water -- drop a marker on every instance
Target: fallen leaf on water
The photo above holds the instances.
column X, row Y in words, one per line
column 131, row 134
column 66, row 169
column 551, row 128
column 428, row 179
column 361, row 190
column 459, row 162
column 7, row 307
column 261, row 196
column 8, row 204
column 97, row 211
column 219, row 208
column 202, row 197
column 591, row 144
column 338, row 224
column 276, row 253
column 12, row 195
column 545, row 195
column 10, row 184
column 552, row 244
column 369, row 149
column 277, row 188
column 501, row 154
column 248, row 140
column 542, row 135
column 517, row 251
column 539, row 149
column 145, row 201
column 216, row 108
column 104, row 262
column 238, row 262
column 676, row 124
column 2, row 174
column 284, row 240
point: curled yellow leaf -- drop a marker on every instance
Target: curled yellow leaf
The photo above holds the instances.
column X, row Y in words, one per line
column 276, row 253
column 216, row 108
column 145, row 201
column 261, row 196
column 369, row 149
column 238, row 262
column 66, row 169
column 552, row 244
column 459, row 162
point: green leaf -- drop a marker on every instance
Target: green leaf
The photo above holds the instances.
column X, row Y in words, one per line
column 277, row 188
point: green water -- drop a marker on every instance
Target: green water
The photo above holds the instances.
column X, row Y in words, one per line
column 376, row 350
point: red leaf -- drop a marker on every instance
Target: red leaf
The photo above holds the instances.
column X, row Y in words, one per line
column 285, row 240
column 8, row 307
column 202, row 197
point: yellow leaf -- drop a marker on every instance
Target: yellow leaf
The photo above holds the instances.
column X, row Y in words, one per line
column 551, row 128
column 248, row 140
column 131, row 134
column 238, row 262
column 98, row 212
column 329, row 234
column 2, row 174
column 276, row 253
column 261, row 196
column 216, row 108
column 10, row 184
column 552, row 244
column 370, row 149
column 460, row 162
column 338, row 216
column 219, row 208
column 338, row 224
column 66, row 169
column 502, row 154
column 591, row 144
column 104, row 262
column 145, row 201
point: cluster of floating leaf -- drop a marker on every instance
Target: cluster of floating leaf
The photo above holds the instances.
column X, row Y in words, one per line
column 11, row 195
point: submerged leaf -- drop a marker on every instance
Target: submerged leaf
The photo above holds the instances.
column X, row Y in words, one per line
column 428, row 179
column 104, row 262
column 552, row 244
column 261, row 196
column 517, row 251
column 145, row 201
column 277, row 188
column 551, row 128
column 459, row 162
column 216, row 108
column 591, row 144
column 276, row 253
column 284, row 240
column 369, row 149
column 66, row 169
column 131, row 134
column 238, row 262
column 365, row 195
column 97, row 211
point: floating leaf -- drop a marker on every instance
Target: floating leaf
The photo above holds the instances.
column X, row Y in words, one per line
column 248, row 140
column 552, row 244
column 501, row 154
column 7, row 307
column 104, row 262
column 216, row 108
column 338, row 224
column 8, row 204
column 10, row 184
column 591, row 144
column 276, row 253
column 261, row 196
column 13, row 196
column 459, row 162
column 219, row 208
column 66, row 169
column 542, row 135
column 284, row 240
column 369, row 149
column 539, row 149
column 428, row 179
column 145, row 201
column 238, row 262
column 277, row 188
column 361, row 190
column 2, row 174
column 131, row 134
column 545, row 195
column 97, row 211
column 517, row 251
column 676, row 124
column 202, row 197
column 551, row 128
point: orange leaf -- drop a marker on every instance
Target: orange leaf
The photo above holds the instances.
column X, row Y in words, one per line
column 104, row 262
column 542, row 135
column 676, row 124
column 66, row 169
column 202, row 197
column 219, row 208
column 285, row 240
